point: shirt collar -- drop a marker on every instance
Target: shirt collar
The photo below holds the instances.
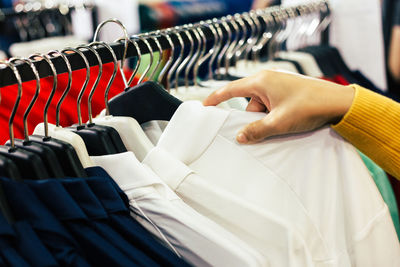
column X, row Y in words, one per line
column 84, row 197
column 192, row 121
column 126, row 170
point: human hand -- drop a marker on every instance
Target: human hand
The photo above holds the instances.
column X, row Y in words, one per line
column 260, row 4
column 294, row 103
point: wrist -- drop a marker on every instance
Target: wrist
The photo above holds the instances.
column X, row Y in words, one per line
column 341, row 100
column 331, row 102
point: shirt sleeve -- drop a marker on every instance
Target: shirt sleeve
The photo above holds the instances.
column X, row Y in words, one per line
column 372, row 125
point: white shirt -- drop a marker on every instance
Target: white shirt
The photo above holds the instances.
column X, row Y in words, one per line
column 201, row 93
column 269, row 234
column 198, row 240
column 316, row 181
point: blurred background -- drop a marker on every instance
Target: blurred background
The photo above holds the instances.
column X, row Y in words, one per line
column 365, row 31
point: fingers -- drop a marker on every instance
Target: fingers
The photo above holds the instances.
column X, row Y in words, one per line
column 259, row 130
column 239, row 88
column 255, row 105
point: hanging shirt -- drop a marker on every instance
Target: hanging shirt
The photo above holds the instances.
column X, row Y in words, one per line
column 121, row 220
column 27, row 207
column 195, row 238
column 89, row 203
column 98, row 250
column 267, row 233
column 316, row 181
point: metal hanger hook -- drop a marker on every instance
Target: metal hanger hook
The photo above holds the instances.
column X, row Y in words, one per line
column 125, row 38
column 85, row 84
column 35, row 96
column 96, row 83
column 144, row 40
column 16, row 104
column 68, row 87
column 170, row 59
column 53, row 91
column 111, row 80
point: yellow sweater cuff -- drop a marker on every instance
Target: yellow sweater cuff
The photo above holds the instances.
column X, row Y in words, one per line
column 372, row 124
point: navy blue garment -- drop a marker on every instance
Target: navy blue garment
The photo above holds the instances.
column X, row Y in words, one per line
column 2, row 263
column 98, row 251
column 100, row 172
column 31, row 247
column 130, row 229
column 27, row 207
column 91, row 206
column 9, row 254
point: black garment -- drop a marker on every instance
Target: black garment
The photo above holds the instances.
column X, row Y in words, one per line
column 120, row 219
column 98, row 250
column 27, row 207
column 91, row 206
column 8, row 253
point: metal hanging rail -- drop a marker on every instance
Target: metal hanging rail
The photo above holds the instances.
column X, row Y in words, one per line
column 7, row 77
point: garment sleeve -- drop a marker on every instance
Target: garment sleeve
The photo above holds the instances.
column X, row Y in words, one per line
column 372, row 125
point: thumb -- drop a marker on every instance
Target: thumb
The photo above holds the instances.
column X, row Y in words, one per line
column 258, row 130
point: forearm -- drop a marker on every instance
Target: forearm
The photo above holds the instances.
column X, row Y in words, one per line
column 372, row 125
column 394, row 53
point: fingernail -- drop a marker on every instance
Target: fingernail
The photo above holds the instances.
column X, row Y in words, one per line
column 241, row 138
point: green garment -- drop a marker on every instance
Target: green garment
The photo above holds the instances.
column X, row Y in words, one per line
column 384, row 186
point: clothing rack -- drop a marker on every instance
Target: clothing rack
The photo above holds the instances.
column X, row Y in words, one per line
column 277, row 13
column 32, row 8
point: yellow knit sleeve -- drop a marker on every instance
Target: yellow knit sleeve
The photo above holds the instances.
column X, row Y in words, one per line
column 372, row 125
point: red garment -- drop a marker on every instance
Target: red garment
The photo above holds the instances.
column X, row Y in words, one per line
column 339, row 79
column 68, row 114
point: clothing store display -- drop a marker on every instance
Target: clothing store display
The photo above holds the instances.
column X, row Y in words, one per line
column 348, row 21
column 216, row 147
column 164, row 214
column 277, row 240
column 368, row 113
column 120, row 219
column 135, row 171
column 93, row 209
column 54, row 236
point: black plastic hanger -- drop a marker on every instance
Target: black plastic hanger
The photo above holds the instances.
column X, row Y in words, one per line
column 29, row 164
column 146, row 101
column 9, row 169
column 65, row 152
column 97, row 138
column 47, row 155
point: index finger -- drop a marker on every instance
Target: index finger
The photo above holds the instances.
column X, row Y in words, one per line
column 239, row 88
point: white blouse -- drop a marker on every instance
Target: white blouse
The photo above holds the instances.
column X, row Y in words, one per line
column 315, row 182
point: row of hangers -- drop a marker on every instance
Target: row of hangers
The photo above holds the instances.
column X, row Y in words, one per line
column 37, row 20
column 56, row 152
